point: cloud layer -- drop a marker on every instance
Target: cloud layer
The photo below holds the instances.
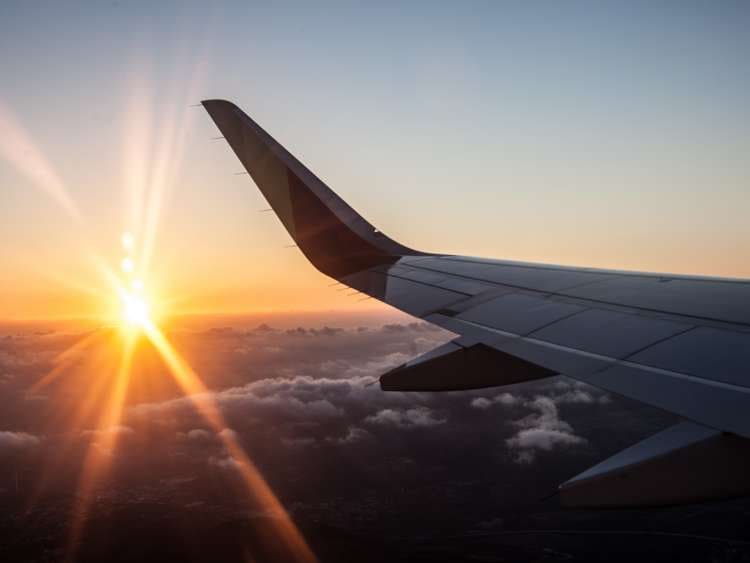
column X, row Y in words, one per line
column 305, row 403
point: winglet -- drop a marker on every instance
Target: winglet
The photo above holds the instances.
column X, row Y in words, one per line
column 334, row 237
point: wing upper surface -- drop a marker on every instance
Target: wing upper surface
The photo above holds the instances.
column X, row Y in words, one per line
column 693, row 365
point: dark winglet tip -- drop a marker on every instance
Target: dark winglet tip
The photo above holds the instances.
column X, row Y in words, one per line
column 217, row 101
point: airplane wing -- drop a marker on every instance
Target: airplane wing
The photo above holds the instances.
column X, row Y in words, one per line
column 678, row 343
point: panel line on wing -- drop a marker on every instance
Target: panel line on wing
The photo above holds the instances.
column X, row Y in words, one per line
column 625, row 273
column 609, row 359
column 721, row 323
column 657, row 342
column 427, row 284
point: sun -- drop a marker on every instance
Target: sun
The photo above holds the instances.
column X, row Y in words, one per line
column 135, row 310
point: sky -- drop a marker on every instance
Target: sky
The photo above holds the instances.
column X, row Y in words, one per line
column 603, row 134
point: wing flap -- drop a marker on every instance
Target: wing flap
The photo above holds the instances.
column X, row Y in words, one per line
column 684, row 463
column 459, row 365
column 718, row 405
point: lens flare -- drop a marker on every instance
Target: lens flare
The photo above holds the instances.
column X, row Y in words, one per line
column 127, row 265
column 135, row 310
column 100, row 413
column 128, row 241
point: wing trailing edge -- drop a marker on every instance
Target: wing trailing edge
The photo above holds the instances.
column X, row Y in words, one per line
column 461, row 365
column 684, row 463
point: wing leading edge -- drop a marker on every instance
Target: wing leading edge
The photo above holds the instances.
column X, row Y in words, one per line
column 679, row 343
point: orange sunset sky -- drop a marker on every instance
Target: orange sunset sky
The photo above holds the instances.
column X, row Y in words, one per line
column 436, row 131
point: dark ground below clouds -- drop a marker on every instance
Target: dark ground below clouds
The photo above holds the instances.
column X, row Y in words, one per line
column 144, row 530
column 367, row 475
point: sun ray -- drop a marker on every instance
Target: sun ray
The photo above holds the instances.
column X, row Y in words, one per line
column 137, row 148
column 18, row 148
column 256, row 486
column 66, row 281
column 98, row 388
column 65, row 360
column 74, row 420
column 169, row 154
column 99, row 454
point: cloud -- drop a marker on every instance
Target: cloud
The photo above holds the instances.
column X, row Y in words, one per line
column 321, row 388
column 410, row 327
column 481, row 403
column 559, row 390
column 326, row 331
column 224, row 462
column 353, row 435
column 543, row 439
column 581, row 396
column 195, row 435
column 261, row 398
column 564, row 390
column 15, row 441
column 337, row 393
column 503, row 399
column 227, row 434
column 105, row 439
column 507, row 399
column 307, row 407
column 297, row 398
column 541, row 431
column 408, row 418
column 198, row 434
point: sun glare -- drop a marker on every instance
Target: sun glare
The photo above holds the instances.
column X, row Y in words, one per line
column 135, row 310
column 127, row 241
column 134, row 307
